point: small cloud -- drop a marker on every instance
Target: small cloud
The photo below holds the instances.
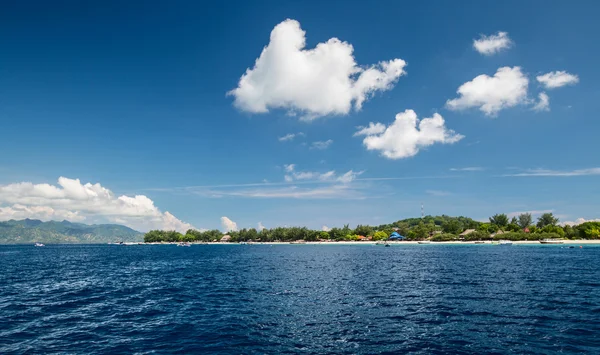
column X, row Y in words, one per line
column 325, row 229
column 543, row 103
column 407, row 135
column 228, row 225
column 558, row 173
column 438, row 193
column 491, row 94
column 289, row 167
column 321, row 144
column 557, row 79
column 260, row 226
column 349, row 176
column 291, row 136
column 579, row 221
column 469, row 168
column 492, row 44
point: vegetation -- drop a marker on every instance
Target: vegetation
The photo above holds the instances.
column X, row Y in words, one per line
column 435, row 228
column 29, row 231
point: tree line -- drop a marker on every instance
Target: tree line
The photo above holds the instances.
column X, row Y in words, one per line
column 435, row 228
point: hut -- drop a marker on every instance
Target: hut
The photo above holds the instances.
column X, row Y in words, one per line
column 396, row 236
column 226, row 238
column 467, row 232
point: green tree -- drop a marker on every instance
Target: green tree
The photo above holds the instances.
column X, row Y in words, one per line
column 380, row 235
column 500, row 220
column 547, row 219
column 324, row 235
column 513, row 227
column 452, row 226
column 524, row 220
column 364, row 230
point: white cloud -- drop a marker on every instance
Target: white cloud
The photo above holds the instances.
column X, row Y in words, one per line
column 294, row 175
column 287, row 137
column 492, row 44
column 557, row 79
column 75, row 201
column 228, row 225
column 543, row 103
column 289, row 167
column 564, row 173
column 469, row 168
column 438, row 193
column 316, row 82
column 332, row 191
column 349, row 176
column 579, row 221
column 373, row 128
column 290, row 136
column 407, row 135
column 260, row 226
column 325, row 229
column 507, row 88
column 321, row 144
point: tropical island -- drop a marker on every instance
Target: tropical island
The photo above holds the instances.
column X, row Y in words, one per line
column 433, row 228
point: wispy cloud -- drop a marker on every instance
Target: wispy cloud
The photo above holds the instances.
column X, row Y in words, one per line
column 321, row 144
column 334, row 191
column 438, row 193
column 469, row 168
column 290, row 136
column 564, row 173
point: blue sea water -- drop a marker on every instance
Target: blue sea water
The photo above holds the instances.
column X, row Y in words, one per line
column 255, row 299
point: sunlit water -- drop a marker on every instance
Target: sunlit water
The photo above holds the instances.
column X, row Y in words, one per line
column 306, row 299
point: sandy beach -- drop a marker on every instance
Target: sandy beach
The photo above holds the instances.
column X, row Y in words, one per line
column 520, row 242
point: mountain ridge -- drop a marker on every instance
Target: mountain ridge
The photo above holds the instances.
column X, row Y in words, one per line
column 27, row 231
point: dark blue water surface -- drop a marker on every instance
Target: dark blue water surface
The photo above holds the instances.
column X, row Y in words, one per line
column 242, row 299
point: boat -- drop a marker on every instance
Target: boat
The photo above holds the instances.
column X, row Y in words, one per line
column 184, row 244
column 39, row 245
column 505, row 242
column 551, row 241
column 380, row 243
column 387, row 245
column 424, row 242
column 479, row 242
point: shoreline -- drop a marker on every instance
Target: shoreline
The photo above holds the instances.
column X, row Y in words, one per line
column 519, row 242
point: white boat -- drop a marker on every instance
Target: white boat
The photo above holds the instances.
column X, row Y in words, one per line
column 551, row 241
column 184, row 245
column 39, row 245
column 424, row 242
column 505, row 242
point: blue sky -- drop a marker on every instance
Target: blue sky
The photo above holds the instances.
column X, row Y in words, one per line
column 134, row 98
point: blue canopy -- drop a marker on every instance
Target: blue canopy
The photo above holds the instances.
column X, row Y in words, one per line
column 395, row 235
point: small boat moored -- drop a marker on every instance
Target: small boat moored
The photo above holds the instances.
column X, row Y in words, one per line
column 184, row 244
column 39, row 245
column 505, row 242
column 551, row 241
column 424, row 242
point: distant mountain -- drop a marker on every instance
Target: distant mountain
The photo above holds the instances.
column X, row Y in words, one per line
column 31, row 230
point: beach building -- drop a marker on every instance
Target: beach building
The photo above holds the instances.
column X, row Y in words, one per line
column 396, row 236
column 467, row 232
column 497, row 233
column 226, row 238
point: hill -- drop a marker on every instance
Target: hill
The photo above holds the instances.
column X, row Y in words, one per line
column 30, row 231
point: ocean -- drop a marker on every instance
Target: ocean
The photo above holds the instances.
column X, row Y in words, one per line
column 306, row 299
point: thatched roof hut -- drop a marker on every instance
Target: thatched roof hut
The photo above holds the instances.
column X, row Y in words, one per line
column 226, row 238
